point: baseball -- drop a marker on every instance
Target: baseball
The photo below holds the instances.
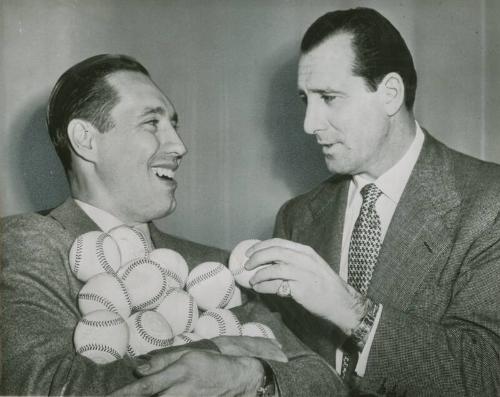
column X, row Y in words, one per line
column 217, row 322
column 235, row 300
column 211, row 284
column 179, row 309
column 174, row 265
column 237, row 262
column 185, row 338
column 101, row 336
column 131, row 242
column 148, row 331
column 104, row 291
column 145, row 282
column 257, row 329
column 93, row 253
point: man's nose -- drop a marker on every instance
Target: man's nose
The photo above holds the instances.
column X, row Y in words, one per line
column 313, row 119
column 171, row 141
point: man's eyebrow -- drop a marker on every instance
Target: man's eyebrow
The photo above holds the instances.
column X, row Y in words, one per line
column 320, row 91
column 156, row 110
column 326, row 91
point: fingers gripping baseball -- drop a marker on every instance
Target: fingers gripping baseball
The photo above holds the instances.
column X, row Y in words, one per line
column 313, row 283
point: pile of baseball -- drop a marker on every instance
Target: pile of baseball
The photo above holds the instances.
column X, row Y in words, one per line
column 136, row 299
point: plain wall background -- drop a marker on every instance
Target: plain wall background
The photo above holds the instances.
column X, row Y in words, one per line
column 229, row 66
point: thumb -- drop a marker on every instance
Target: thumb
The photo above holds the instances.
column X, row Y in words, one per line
column 160, row 361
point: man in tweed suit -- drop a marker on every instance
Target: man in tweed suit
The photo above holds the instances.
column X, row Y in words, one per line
column 116, row 135
column 390, row 269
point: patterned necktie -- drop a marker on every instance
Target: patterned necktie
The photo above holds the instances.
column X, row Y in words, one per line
column 363, row 249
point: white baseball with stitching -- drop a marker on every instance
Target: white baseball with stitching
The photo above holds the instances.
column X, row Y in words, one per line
column 148, row 331
column 174, row 265
column 179, row 309
column 236, row 299
column 237, row 261
column 105, row 291
column 145, row 282
column 93, row 253
column 101, row 336
column 185, row 338
column 217, row 322
column 131, row 242
column 211, row 284
column 257, row 329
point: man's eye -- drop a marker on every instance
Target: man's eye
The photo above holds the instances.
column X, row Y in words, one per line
column 153, row 122
column 151, row 125
column 303, row 98
column 328, row 98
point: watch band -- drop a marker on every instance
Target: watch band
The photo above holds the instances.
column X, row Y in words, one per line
column 360, row 334
column 267, row 389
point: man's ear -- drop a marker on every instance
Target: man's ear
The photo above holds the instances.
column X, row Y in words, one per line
column 81, row 134
column 392, row 91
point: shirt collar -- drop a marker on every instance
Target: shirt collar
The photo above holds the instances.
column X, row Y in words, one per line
column 105, row 220
column 393, row 181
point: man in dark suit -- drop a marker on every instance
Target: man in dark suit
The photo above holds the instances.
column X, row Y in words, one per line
column 390, row 269
column 116, row 134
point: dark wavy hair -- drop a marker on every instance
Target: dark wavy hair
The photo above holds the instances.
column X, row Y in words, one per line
column 83, row 92
column 378, row 46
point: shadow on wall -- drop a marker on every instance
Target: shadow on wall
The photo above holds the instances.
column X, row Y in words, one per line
column 297, row 158
column 37, row 164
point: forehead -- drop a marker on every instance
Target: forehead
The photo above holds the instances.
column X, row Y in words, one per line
column 328, row 63
column 137, row 91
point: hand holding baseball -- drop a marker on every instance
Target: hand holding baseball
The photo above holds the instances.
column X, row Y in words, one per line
column 265, row 348
column 313, row 284
column 196, row 373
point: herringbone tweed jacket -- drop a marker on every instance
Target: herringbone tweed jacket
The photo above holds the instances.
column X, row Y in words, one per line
column 39, row 314
column 437, row 276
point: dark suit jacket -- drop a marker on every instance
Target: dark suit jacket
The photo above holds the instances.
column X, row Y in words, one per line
column 39, row 313
column 437, row 276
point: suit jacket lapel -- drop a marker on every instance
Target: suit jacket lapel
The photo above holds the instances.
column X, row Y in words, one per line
column 418, row 232
column 327, row 209
column 73, row 219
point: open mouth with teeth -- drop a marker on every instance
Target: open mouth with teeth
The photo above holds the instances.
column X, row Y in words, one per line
column 164, row 173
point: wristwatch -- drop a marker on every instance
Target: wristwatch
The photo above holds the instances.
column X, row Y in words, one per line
column 267, row 388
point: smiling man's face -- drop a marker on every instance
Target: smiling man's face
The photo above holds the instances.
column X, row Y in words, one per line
column 138, row 156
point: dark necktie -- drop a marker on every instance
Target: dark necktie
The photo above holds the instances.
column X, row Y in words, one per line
column 363, row 251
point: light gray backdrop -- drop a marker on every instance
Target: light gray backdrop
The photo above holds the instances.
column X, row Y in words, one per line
column 229, row 67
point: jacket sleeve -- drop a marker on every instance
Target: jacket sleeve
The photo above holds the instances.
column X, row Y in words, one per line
column 460, row 353
column 39, row 314
column 306, row 373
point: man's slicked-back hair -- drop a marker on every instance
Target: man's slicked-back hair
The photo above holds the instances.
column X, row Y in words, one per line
column 82, row 92
column 378, row 46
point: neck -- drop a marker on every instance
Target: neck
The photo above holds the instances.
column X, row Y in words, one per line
column 401, row 132
column 83, row 189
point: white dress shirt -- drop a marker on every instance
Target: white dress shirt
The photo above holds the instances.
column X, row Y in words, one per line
column 106, row 221
column 392, row 184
